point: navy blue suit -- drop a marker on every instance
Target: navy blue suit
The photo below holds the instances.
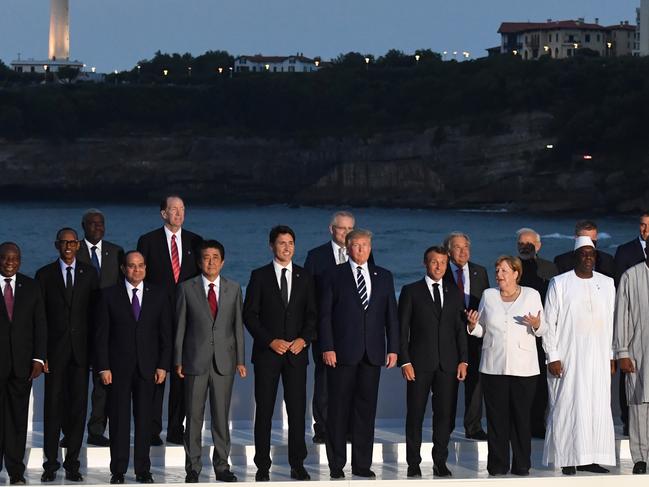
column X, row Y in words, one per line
column 358, row 337
column 319, row 261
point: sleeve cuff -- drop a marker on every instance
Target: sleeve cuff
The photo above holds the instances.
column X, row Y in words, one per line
column 38, row 360
column 623, row 354
column 553, row 356
column 409, row 363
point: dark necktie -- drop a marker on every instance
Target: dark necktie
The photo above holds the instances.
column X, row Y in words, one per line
column 211, row 299
column 283, row 287
column 68, row 282
column 437, row 299
column 135, row 304
column 95, row 259
column 360, row 284
column 460, row 279
column 9, row 299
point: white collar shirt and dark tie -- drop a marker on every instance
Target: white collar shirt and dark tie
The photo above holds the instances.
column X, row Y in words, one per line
column 217, row 285
column 97, row 250
column 12, row 284
column 467, row 280
column 64, row 270
column 340, row 253
column 365, row 271
column 179, row 243
column 289, row 275
column 429, row 285
column 643, row 244
column 140, row 291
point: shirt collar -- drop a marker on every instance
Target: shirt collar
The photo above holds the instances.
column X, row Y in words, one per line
column 430, row 281
column 169, row 233
column 642, row 242
column 91, row 245
column 2, row 279
column 455, row 267
column 130, row 287
column 336, row 247
column 64, row 266
column 278, row 267
column 354, row 265
column 207, row 282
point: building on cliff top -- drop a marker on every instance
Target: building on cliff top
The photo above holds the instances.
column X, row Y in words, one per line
column 297, row 63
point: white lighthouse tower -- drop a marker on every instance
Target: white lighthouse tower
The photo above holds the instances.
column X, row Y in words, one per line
column 59, row 47
column 59, row 30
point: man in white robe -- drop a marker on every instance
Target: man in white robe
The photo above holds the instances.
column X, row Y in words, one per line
column 631, row 345
column 579, row 310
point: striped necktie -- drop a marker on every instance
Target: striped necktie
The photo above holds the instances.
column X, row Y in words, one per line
column 360, row 284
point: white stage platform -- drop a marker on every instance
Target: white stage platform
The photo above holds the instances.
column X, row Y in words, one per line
column 467, row 461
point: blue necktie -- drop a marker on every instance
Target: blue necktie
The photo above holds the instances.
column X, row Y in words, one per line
column 95, row 259
column 136, row 305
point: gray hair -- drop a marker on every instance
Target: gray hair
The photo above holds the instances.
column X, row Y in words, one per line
column 340, row 214
column 526, row 230
column 356, row 234
column 89, row 212
column 451, row 236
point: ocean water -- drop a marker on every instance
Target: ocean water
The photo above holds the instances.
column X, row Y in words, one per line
column 401, row 236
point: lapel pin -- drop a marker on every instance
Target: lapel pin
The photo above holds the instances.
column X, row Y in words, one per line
column 297, row 275
column 375, row 273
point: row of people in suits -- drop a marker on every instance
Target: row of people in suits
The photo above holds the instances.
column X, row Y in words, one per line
column 67, row 293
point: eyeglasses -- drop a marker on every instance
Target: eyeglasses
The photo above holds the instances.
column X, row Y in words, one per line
column 68, row 243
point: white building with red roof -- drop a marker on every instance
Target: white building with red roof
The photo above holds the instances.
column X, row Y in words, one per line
column 297, row 63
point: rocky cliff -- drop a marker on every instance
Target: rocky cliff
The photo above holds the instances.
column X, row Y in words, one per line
column 446, row 167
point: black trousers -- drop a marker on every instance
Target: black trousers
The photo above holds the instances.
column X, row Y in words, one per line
column 14, row 410
column 540, row 402
column 123, row 388
column 319, row 403
column 473, row 388
column 508, row 400
column 98, row 397
column 443, row 385
column 66, row 400
column 353, row 393
column 267, row 375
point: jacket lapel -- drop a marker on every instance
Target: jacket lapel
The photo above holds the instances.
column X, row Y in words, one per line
column 273, row 284
column 166, row 255
column 351, row 277
column 187, row 254
column 199, row 293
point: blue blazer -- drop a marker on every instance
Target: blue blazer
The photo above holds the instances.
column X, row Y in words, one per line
column 349, row 330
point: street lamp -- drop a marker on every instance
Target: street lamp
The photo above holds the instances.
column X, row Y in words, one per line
column 466, row 54
column 417, row 57
column 189, row 71
column 267, row 66
column 165, row 72
column 45, row 67
column 367, row 63
column 576, row 45
column 515, row 52
column 220, row 70
column 231, row 71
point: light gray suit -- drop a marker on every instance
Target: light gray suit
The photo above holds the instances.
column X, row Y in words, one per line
column 209, row 351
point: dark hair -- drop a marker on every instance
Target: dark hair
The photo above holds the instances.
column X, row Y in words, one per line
column 66, row 229
column 126, row 254
column 211, row 244
column 438, row 249
column 644, row 213
column 278, row 230
column 3, row 245
column 585, row 225
column 163, row 203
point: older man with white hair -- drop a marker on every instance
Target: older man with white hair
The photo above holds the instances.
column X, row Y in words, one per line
column 579, row 310
column 537, row 273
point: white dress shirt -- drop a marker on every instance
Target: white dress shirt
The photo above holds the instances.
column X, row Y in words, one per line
column 64, row 270
column 289, row 275
column 98, row 251
column 643, row 243
column 429, row 284
column 12, row 283
column 366, row 274
column 336, row 250
column 179, row 243
column 467, row 280
column 217, row 285
column 509, row 345
column 140, row 291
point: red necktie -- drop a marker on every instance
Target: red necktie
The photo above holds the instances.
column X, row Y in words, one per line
column 9, row 299
column 460, row 279
column 175, row 260
column 211, row 299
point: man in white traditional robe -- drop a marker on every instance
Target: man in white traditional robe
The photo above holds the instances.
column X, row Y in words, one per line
column 631, row 345
column 579, row 310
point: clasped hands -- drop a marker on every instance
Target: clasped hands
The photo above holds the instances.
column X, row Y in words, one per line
column 280, row 346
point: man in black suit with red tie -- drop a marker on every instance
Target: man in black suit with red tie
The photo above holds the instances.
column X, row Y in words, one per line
column 471, row 280
column 170, row 254
column 133, row 353
column 358, row 312
column 433, row 358
column 68, row 287
column 319, row 261
column 23, row 344
column 280, row 313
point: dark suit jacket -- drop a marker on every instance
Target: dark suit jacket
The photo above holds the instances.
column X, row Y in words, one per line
column 537, row 273
column 266, row 317
column 430, row 342
column 123, row 345
column 348, row 329
column 478, row 282
column 626, row 256
column 69, row 323
column 25, row 337
column 111, row 259
column 153, row 246
column 604, row 263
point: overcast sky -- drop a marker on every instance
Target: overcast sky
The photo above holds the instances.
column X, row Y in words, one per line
column 115, row 34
